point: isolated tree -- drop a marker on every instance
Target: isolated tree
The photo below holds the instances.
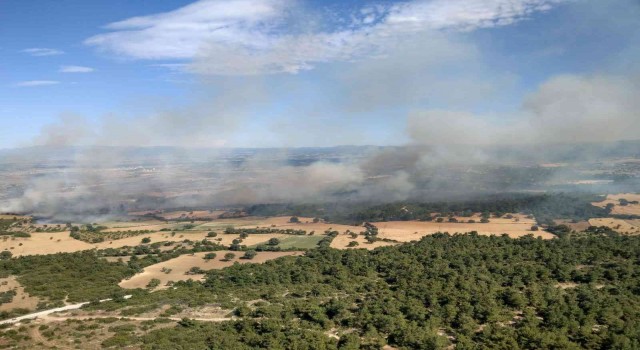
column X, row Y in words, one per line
column 294, row 220
column 249, row 254
column 229, row 256
column 274, row 241
column 534, row 228
column 146, row 240
column 195, row 271
column 209, row 256
column 353, row 244
column 212, row 234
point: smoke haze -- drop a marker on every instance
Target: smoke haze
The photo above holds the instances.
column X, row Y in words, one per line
column 422, row 85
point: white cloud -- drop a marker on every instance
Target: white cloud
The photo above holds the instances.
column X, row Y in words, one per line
column 32, row 83
column 40, row 51
column 241, row 37
column 75, row 69
column 466, row 14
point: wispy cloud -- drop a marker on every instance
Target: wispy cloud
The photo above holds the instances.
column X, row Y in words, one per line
column 75, row 69
column 32, row 83
column 40, row 51
column 176, row 67
column 240, row 37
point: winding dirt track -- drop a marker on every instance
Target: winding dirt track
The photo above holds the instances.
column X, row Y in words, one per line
column 45, row 313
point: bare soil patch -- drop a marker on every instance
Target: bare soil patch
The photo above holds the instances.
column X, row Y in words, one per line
column 566, row 285
column 178, row 267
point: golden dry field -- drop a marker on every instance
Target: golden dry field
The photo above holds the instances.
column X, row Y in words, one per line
column 618, row 225
column 399, row 231
column 342, row 242
column 575, row 226
column 178, row 267
column 630, row 209
column 61, row 242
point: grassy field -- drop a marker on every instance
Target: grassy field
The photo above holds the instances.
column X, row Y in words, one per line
column 300, row 242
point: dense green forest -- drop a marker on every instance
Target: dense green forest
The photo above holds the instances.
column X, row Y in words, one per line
column 579, row 292
column 545, row 207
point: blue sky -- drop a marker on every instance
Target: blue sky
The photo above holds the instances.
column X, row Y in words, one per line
column 314, row 73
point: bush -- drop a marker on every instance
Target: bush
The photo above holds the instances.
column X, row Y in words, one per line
column 153, row 283
column 249, row 254
column 274, row 241
column 209, row 256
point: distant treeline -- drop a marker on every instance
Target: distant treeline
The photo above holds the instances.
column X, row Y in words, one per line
column 545, row 208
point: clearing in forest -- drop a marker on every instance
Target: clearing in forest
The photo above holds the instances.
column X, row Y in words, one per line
column 20, row 299
column 176, row 269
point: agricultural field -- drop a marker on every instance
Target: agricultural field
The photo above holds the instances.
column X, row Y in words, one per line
column 343, row 241
column 62, row 242
column 623, row 203
column 299, row 242
column 618, row 225
column 406, row 231
column 174, row 284
column 177, row 269
column 578, row 225
column 52, row 239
